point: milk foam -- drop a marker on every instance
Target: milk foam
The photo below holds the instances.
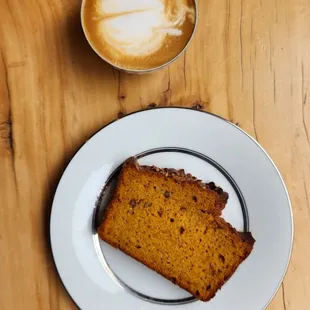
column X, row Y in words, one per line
column 138, row 28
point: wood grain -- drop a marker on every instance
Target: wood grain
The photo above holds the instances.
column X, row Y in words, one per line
column 249, row 62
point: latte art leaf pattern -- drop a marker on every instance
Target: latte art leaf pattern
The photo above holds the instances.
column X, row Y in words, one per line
column 139, row 28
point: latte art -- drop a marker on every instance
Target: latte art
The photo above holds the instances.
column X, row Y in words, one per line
column 138, row 29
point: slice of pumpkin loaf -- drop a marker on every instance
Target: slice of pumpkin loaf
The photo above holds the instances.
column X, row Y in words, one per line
column 154, row 218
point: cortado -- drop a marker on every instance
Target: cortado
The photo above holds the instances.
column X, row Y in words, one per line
column 138, row 34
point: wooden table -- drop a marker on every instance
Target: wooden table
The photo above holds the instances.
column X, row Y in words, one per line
column 249, row 62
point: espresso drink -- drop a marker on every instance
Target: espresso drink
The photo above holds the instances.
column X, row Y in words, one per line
column 138, row 34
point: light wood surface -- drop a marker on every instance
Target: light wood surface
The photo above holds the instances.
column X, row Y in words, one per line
column 249, row 62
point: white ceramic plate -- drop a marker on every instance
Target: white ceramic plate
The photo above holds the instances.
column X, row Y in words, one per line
column 212, row 149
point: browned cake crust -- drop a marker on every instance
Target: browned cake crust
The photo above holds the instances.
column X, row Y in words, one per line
column 216, row 197
column 154, row 218
column 221, row 197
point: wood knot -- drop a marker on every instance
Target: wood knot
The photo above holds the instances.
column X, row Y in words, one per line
column 120, row 114
column 152, row 105
column 197, row 105
column 6, row 133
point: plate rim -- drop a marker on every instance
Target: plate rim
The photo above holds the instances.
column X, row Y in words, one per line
column 194, row 110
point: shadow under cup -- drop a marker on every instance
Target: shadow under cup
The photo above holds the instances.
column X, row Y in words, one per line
column 94, row 46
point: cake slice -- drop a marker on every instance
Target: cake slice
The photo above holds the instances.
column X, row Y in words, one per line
column 170, row 222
